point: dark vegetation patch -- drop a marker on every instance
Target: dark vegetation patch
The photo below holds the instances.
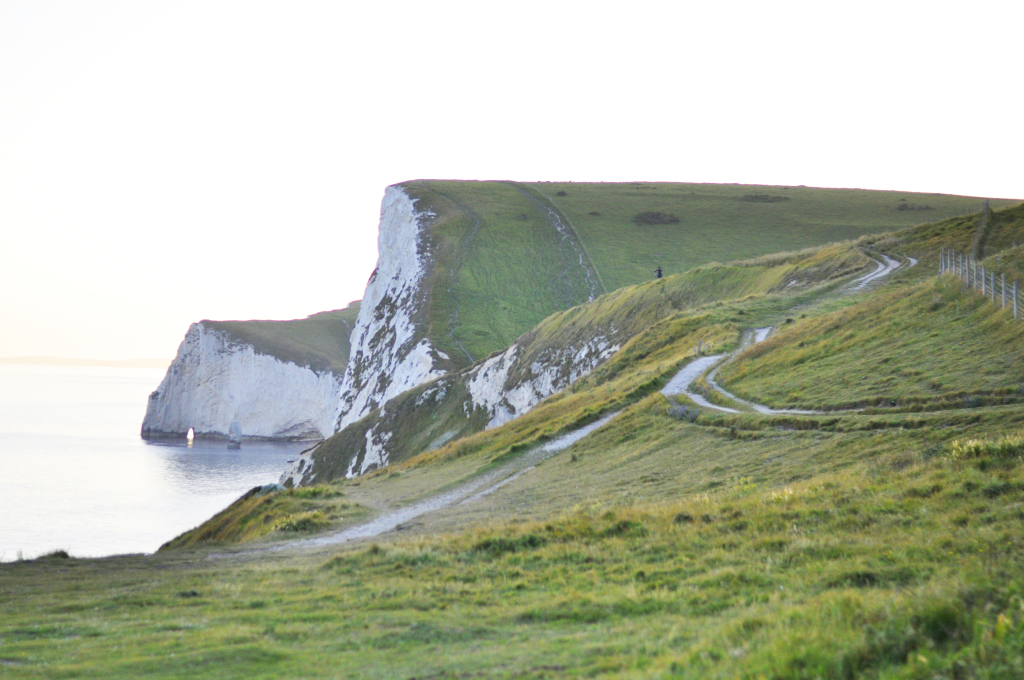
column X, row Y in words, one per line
column 904, row 205
column 651, row 217
column 497, row 546
column 763, row 198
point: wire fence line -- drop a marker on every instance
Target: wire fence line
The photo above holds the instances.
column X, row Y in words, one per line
column 987, row 283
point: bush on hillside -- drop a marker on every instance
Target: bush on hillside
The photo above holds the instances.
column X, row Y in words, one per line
column 651, row 217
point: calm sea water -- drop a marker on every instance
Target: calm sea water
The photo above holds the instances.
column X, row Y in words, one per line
column 75, row 475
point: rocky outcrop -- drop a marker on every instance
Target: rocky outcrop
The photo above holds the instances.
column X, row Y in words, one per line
column 486, row 395
column 216, row 381
column 503, row 399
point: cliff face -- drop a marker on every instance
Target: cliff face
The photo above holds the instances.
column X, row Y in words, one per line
column 391, row 352
column 454, row 280
column 488, row 394
column 215, row 381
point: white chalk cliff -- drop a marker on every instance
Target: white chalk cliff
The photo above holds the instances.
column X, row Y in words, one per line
column 215, row 381
column 504, row 399
column 390, row 351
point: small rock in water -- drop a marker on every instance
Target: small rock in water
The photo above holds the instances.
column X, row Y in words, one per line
column 235, row 435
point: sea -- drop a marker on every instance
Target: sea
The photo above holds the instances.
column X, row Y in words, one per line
column 75, row 475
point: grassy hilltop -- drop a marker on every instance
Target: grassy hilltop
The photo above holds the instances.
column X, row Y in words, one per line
column 320, row 341
column 509, row 254
column 881, row 537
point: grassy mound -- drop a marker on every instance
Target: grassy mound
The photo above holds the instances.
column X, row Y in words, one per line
column 262, row 511
column 933, row 345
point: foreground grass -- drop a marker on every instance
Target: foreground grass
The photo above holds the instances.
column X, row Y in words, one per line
column 899, row 567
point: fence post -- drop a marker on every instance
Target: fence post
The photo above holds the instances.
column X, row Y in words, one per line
column 983, row 281
column 992, row 285
column 1004, row 289
column 1015, row 298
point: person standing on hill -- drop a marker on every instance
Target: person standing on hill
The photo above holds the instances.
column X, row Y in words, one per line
column 657, row 272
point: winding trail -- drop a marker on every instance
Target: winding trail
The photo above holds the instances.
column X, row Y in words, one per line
column 571, row 249
column 884, row 269
column 682, row 381
column 467, row 492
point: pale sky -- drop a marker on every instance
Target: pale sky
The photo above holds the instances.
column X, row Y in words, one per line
column 165, row 162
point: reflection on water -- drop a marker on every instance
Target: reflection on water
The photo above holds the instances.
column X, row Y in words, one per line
column 205, row 465
column 77, row 476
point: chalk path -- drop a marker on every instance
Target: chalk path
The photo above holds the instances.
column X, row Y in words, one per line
column 681, row 381
column 467, row 492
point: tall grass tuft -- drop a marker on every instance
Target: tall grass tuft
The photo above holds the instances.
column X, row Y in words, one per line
column 1005, row 448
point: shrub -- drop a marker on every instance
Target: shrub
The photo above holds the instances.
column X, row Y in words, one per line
column 310, row 521
column 495, row 547
column 681, row 412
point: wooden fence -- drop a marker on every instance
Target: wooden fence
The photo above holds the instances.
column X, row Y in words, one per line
column 987, row 283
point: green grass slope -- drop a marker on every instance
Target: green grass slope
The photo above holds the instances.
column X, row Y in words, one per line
column 320, row 341
column 509, row 254
column 443, row 410
column 910, row 346
column 500, row 265
column 886, row 543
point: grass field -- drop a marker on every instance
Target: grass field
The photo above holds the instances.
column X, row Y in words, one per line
column 882, row 543
column 501, row 266
column 725, row 222
column 911, row 345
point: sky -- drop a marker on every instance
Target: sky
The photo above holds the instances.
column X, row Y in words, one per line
column 166, row 162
